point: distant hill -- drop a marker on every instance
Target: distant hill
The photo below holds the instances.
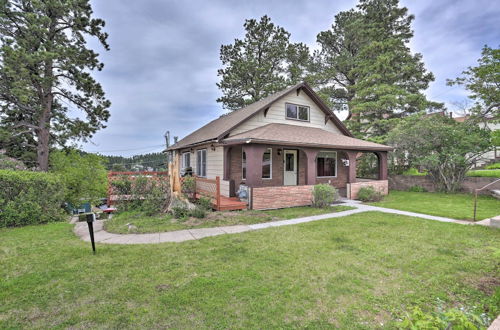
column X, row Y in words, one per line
column 155, row 161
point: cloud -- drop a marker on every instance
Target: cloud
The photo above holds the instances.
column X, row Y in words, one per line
column 161, row 71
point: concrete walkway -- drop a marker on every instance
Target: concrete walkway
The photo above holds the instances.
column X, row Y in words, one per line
column 102, row 236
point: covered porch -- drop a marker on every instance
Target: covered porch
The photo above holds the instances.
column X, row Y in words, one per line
column 280, row 168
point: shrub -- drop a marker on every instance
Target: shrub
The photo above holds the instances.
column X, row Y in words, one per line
column 30, row 198
column 205, row 203
column 450, row 319
column 324, row 195
column 180, row 211
column 84, row 175
column 198, row 212
column 417, row 188
column 369, row 194
column 188, row 187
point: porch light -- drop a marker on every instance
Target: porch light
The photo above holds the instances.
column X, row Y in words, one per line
column 345, row 162
column 212, row 147
column 279, row 152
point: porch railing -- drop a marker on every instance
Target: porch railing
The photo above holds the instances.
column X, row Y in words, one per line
column 208, row 188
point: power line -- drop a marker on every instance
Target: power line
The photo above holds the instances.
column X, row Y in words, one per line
column 141, row 148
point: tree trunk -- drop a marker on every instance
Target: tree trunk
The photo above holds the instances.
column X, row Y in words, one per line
column 42, row 149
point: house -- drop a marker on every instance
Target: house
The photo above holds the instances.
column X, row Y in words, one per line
column 278, row 147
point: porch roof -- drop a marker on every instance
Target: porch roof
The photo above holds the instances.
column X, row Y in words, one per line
column 294, row 135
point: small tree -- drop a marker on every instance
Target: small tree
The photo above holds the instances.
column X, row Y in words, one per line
column 445, row 148
column 85, row 175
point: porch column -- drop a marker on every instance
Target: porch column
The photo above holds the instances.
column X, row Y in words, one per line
column 382, row 165
column 227, row 163
column 351, row 176
column 254, row 153
column 311, row 165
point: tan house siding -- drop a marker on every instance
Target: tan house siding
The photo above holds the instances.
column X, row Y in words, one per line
column 276, row 114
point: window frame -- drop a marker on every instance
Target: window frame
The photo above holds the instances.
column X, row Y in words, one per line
column 298, row 112
column 336, row 164
column 183, row 163
column 270, row 164
column 199, row 163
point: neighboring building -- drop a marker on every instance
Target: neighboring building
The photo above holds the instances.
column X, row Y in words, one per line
column 279, row 147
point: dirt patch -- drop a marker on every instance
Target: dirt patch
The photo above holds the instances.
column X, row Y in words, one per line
column 162, row 287
column 488, row 284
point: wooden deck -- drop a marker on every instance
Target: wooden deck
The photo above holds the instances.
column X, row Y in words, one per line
column 230, row 204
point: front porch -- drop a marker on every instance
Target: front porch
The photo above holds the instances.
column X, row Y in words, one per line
column 279, row 175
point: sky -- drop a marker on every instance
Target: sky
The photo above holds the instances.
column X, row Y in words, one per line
column 161, row 71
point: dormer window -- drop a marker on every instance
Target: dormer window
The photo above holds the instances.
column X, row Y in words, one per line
column 297, row 112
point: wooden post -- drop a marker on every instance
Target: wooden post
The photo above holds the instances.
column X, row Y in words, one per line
column 217, row 183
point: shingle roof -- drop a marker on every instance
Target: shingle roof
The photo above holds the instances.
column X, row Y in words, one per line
column 303, row 136
column 221, row 126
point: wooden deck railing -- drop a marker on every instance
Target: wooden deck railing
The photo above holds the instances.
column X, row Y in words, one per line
column 209, row 188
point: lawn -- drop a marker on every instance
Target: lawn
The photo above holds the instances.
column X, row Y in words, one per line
column 456, row 206
column 494, row 173
column 363, row 271
column 165, row 222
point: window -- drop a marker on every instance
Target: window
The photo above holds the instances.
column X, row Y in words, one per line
column 326, row 164
column 201, row 163
column 267, row 164
column 297, row 112
column 186, row 160
column 243, row 166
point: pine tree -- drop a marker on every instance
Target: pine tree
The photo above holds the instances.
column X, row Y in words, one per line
column 264, row 62
column 45, row 72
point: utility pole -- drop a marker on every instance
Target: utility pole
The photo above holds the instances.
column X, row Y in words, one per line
column 167, row 144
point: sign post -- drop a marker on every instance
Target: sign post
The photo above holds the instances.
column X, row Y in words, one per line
column 90, row 219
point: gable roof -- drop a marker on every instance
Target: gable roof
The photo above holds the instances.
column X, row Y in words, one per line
column 217, row 129
column 294, row 135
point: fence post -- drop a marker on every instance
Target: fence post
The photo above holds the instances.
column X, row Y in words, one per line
column 217, row 183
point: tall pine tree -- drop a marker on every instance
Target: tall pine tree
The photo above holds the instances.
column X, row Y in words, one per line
column 45, row 72
column 264, row 62
column 372, row 71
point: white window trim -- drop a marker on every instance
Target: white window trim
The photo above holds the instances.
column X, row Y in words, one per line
column 198, row 168
column 336, row 165
column 297, row 118
column 183, row 164
column 271, row 164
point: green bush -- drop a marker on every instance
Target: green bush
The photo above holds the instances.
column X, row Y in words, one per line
column 180, row 212
column 205, row 203
column 324, row 195
column 198, row 212
column 28, row 198
column 450, row 319
column 494, row 166
column 84, row 175
column 369, row 194
column 188, row 187
column 417, row 188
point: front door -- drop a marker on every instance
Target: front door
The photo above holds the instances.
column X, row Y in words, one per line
column 290, row 168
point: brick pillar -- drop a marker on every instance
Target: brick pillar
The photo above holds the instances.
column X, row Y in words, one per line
column 382, row 165
column 227, row 163
column 351, row 176
column 311, row 165
column 254, row 153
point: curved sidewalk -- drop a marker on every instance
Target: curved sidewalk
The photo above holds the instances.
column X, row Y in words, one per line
column 102, row 236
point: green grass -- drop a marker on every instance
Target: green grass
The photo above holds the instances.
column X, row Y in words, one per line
column 456, row 206
column 494, row 173
column 361, row 272
column 165, row 222
column 493, row 166
column 414, row 172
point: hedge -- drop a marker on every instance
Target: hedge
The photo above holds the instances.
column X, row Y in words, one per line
column 28, row 198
